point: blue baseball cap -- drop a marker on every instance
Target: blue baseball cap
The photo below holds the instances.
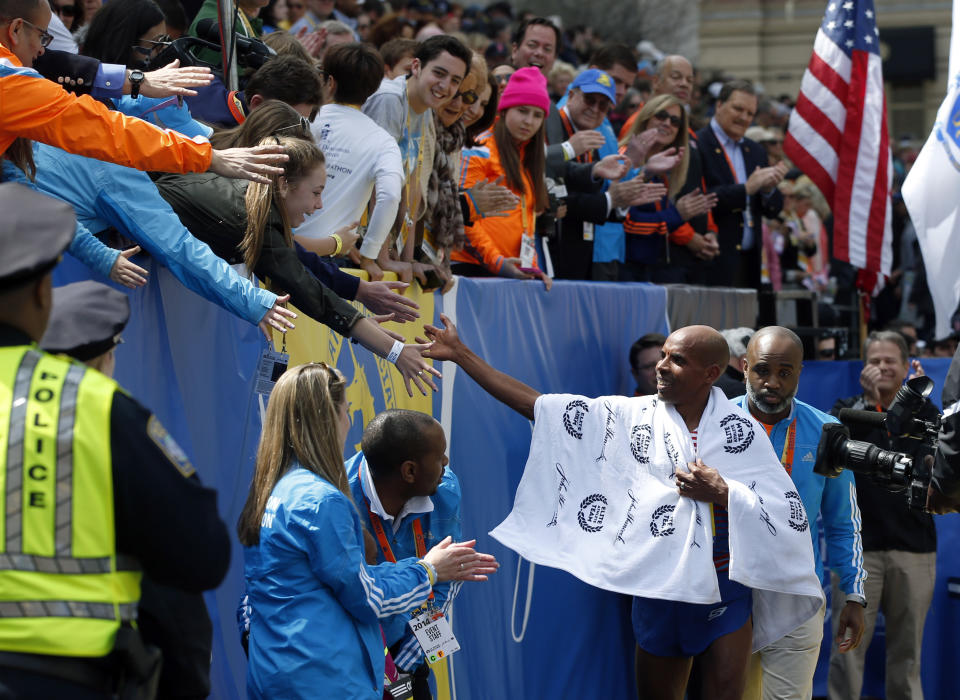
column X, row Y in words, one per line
column 595, row 80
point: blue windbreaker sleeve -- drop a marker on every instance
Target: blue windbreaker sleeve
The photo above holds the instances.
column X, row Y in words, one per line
column 331, row 533
column 841, row 529
column 93, row 252
column 342, row 284
column 165, row 112
column 85, row 247
column 129, row 200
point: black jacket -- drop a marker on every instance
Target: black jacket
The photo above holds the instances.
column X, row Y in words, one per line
column 732, row 198
column 74, row 72
column 213, row 208
column 572, row 256
column 946, row 468
column 731, row 383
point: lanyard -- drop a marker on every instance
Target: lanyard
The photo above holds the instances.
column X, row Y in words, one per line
column 586, row 157
column 527, row 230
column 789, row 444
column 733, row 171
column 786, row 457
column 247, row 27
column 413, row 175
column 385, row 545
column 418, row 539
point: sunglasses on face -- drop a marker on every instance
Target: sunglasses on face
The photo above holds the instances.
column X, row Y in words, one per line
column 156, row 45
column 826, row 353
column 664, row 116
column 503, row 79
column 45, row 36
column 469, row 97
column 595, row 101
column 66, row 10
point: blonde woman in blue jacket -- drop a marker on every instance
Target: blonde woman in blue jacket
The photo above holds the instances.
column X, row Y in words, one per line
column 317, row 605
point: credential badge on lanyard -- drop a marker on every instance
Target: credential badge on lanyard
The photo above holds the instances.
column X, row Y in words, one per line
column 272, row 364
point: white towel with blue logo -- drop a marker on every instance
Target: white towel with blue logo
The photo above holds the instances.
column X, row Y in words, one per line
column 598, row 499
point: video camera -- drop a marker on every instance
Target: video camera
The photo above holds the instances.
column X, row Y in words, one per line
column 894, row 471
column 251, row 53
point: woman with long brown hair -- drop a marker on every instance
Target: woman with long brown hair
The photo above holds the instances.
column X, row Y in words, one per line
column 316, row 604
column 655, row 230
column 504, row 245
column 253, row 225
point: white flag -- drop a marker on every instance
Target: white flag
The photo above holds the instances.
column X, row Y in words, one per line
column 932, row 195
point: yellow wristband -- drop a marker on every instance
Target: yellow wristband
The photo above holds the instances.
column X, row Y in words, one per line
column 431, row 572
column 339, row 241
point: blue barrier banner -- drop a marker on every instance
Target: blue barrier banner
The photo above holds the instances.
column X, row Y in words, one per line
column 530, row 632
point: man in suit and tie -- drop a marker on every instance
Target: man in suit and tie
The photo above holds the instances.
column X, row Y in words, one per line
column 736, row 169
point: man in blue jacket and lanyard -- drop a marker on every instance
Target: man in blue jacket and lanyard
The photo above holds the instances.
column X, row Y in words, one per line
column 772, row 368
column 410, row 500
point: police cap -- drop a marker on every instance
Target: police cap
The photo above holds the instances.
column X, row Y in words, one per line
column 34, row 231
column 86, row 320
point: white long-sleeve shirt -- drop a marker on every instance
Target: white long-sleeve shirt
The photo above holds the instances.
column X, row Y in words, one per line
column 359, row 154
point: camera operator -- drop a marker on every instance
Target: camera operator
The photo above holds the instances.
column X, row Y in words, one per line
column 944, row 493
column 899, row 543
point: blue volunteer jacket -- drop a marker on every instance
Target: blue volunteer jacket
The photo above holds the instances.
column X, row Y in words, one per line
column 835, row 499
column 164, row 112
column 105, row 194
column 317, row 606
column 442, row 521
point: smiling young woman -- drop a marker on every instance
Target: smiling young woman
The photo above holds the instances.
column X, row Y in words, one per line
column 503, row 245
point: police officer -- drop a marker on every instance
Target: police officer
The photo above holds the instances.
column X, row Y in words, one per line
column 943, row 495
column 86, row 323
column 95, row 494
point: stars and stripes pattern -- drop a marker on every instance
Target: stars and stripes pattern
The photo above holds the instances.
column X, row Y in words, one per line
column 838, row 135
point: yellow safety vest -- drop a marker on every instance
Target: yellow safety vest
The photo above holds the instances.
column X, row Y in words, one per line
column 62, row 591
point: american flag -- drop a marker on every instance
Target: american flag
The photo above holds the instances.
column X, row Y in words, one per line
column 838, row 135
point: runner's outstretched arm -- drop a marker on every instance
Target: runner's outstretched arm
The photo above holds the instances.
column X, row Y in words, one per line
column 448, row 346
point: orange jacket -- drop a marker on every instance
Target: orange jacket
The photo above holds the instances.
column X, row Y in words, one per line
column 38, row 109
column 490, row 240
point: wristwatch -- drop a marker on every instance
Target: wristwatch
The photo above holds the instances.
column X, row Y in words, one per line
column 136, row 79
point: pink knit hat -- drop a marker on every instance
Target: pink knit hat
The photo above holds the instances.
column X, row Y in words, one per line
column 527, row 86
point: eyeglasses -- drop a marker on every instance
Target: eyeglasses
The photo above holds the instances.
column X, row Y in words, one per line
column 66, row 10
column 468, row 97
column 664, row 116
column 303, row 125
column 503, row 78
column 156, row 45
column 826, row 353
column 596, row 101
column 45, row 36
